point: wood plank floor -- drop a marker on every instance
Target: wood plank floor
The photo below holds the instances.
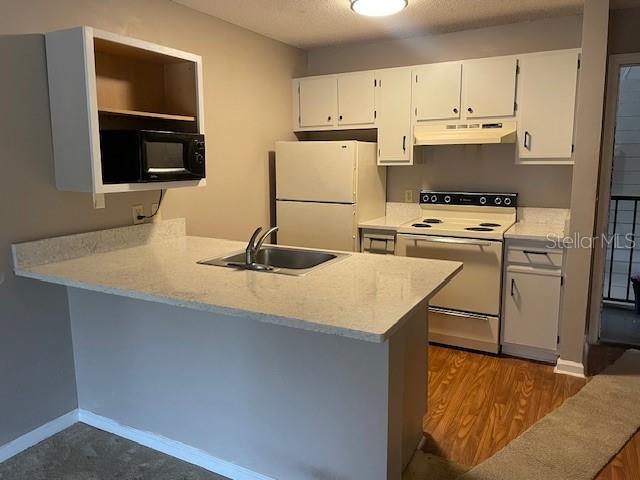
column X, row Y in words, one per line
column 479, row 403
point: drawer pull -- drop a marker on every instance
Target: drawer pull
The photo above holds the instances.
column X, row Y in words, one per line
column 531, row 252
column 513, row 284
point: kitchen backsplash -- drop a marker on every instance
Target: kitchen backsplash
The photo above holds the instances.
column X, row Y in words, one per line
column 488, row 168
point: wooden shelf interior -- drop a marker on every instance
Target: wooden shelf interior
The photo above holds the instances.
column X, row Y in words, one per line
column 135, row 113
column 138, row 88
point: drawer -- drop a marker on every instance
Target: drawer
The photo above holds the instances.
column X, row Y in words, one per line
column 534, row 254
column 378, row 242
column 464, row 330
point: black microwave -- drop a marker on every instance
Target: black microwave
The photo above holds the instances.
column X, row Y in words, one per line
column 137, row 156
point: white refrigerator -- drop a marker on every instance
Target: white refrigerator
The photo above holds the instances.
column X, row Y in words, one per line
column 324, row 190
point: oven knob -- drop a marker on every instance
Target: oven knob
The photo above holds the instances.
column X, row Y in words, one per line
column 434, row 199
column 447, row 199
column 425, row 198
column 483, row 200
column 507, row 201
column 497, row 201
column 199, row 158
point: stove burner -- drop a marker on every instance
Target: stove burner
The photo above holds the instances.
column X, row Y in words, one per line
column 488, row 224
column 421, row 225
column 432, row 220
column 479, row 229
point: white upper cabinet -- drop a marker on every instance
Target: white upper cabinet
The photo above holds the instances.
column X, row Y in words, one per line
column 393, row 104
column 103, row 81
column 489, row 87
column 436, row 91
column 356, row 98
column 536, row 90
column 318, row 97
column 546, row 106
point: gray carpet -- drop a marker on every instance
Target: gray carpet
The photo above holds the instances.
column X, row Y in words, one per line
column 577, row 440
column 574, row 442
column 85, row 453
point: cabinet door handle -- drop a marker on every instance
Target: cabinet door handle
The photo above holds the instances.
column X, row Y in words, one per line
column 527, row 140
column 470, row 110
column 455, row 110
column 404, row 143
column 513, row 284
column 340, row 117
column 329, row 118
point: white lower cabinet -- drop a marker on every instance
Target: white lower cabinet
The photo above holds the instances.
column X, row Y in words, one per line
column 531, row 302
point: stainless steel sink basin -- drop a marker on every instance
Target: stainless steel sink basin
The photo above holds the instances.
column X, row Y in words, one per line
column 282, row 260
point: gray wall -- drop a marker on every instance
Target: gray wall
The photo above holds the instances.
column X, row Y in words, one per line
column 247, row 108
column 623, row 31
column 36, row 361
column 534, row 36
column 287, row 403
column 485, row 168
column 585, row 179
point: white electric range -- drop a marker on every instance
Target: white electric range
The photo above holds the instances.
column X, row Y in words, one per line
column 465, row 227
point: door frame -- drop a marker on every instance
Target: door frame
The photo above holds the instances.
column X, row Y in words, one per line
column 604, row 188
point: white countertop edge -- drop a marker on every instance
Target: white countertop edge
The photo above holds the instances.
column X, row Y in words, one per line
column 533, row 237
column 377, row 226
column 262, row 317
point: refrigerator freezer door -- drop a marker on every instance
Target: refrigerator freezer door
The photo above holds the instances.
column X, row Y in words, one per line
column 317, row 225
column 316, row 171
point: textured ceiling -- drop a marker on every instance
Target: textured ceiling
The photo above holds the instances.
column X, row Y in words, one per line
column 311, row 23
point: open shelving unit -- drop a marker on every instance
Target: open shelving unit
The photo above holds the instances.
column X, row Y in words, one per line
column 104, row 81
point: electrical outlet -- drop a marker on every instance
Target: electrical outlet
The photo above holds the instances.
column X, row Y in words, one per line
column 408, row 196
column 136, row 211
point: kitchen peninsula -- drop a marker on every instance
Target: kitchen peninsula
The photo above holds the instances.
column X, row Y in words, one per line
column 255, row 374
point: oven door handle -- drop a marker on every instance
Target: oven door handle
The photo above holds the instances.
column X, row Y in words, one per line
column 456, row 313
column 448, row 240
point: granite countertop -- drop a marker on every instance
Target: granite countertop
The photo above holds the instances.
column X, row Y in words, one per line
column 382, row 223
column 536, row 231
column 539, row 224
column 363, row 296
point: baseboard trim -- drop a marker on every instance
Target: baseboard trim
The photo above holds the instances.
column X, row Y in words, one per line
column 530, row 353
column 38, row 435
column 170, row 447
column 567, row 367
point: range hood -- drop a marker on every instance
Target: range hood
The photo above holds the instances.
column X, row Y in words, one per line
column 475, row 133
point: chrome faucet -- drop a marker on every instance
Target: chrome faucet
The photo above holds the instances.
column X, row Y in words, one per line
column 255, row 244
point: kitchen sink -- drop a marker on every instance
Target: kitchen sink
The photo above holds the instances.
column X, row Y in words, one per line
column 282, row 260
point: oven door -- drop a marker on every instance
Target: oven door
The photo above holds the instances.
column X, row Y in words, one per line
column 168, row 156
column 476, row 289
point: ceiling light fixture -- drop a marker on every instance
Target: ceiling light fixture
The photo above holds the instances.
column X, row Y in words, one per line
column 377, row 8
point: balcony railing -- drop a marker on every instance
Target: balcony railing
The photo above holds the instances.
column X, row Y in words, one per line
column 622, row 260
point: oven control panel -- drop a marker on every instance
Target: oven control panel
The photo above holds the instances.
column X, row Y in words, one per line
column 469, row 198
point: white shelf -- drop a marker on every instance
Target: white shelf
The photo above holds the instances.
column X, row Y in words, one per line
column 140, row 187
